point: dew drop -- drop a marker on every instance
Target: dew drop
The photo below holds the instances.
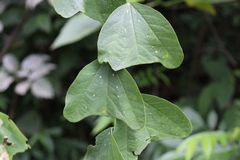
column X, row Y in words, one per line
column 86, row 107
column 127, row 10
column 125, row 30
column 123, row 48
column 147, row 36
column 139, row 20
column 124, row 112
column 118, row 96
column 124, row 37
column 154, row 116
column 94, row 95
column 163, row 125
column 113, row 75
column 156, row 51
column 152, row 46
column 150, row 113
column 116, row 86
column 100, row 76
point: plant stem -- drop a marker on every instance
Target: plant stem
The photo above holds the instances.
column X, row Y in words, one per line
column 13, row 105
column 220, row 42
column 13, row 34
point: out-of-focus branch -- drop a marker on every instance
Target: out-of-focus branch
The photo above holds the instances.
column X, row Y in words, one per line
column 13, row 34
column 220, row 42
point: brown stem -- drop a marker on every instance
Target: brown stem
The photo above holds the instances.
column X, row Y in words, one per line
column 220, row 42
column 13, row 105
column 195, row 59
column 13, row 34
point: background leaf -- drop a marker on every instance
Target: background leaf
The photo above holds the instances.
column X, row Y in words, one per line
column 22, row 87
column 136, row 34
column 98, row 90
column 75, row 29
column 13, row 141
column 10, row 63
column 5, row 81
column 204, row 5
column 42, row 88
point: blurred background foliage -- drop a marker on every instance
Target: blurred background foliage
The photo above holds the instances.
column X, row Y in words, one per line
column 206, row 85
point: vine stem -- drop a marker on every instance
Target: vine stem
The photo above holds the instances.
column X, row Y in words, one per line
column 13, row 34
column 220, row 42
column 13, row 105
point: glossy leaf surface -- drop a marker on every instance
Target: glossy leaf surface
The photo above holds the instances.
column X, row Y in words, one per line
column 136, row 34
column 98, row 90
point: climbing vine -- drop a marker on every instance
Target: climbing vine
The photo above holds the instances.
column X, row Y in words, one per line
column 131, row 34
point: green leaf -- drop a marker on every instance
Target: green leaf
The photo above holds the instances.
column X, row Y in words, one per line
column 204, row 5
column 207, row 146
column 98, row 90
column 76, row 28
column 126, row 143
column 207, row 139
column 221, row 153
column 67, row 8
column 135, row 0
column 164, row 119
column 101, row 9
column 137, row 34
column 120, row 143
column 106, row 148
column 100, row 124
column 12, row 140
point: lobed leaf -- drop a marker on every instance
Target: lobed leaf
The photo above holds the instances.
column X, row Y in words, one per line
column 120, row 143
column 98, row 90
column 126, row 143
column 164, row 119
column 136, row 34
